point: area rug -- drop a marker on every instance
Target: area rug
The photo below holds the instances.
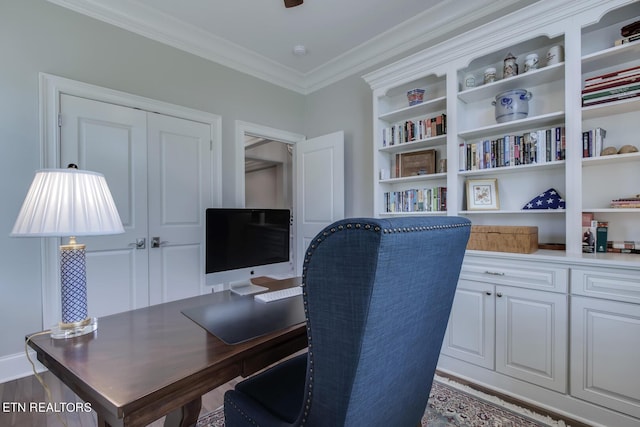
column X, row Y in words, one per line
column 453, row 405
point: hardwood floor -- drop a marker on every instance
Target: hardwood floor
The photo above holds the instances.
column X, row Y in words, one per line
column 25, row 390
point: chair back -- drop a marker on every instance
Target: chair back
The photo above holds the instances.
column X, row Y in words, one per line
column 377, row 293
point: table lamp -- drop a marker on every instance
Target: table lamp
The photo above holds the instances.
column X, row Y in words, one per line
column 69, row 203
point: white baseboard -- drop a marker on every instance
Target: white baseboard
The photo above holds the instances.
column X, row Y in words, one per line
column 16, row 366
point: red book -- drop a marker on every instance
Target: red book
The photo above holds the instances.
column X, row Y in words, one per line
column 612, row 83
column 610, row 76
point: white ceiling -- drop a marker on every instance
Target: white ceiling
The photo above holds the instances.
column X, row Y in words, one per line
column 342, row 37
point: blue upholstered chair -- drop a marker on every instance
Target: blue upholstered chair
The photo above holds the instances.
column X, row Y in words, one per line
column 377, row 294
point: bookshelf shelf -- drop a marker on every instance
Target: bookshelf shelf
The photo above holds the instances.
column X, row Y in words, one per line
column 426, row 107
column 613, row 210
column 516, row 212
column 415, row 178
column 602, row 59
column 532, row 78
column 540, row 121
column 415, row 145
column 611, row 108
column 513, row 169
column 613, row 159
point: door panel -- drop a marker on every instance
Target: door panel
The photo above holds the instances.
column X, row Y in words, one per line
column 319, row 180
column 531, row 336
column 604, row 353
column 111, row 139
column 180, row 189
column 470, row 333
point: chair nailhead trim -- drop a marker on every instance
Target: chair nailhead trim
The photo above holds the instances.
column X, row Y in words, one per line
column 313, row 247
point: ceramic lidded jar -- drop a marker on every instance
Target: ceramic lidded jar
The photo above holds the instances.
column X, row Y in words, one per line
column 512, row 105
column 510, row 68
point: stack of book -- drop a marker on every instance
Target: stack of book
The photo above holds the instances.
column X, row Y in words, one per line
column 623, row 246
column 629, row 202
column 612, row 86
column 630, row 33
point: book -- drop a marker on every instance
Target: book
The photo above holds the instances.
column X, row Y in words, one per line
column 598, row 141
column 612, row 75
column 612, row 83
column 628, row 203
column 610, row 98
column 628, row 39
column 601, row 236
column 618, row 90
column 588, row 232
column 630, row 29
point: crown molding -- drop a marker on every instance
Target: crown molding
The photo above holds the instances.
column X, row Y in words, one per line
column 548, row 18
column 165, row 29
column 431, row 25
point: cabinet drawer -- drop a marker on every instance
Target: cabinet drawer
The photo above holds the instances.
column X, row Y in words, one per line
column 529, row 275
column 606, row 283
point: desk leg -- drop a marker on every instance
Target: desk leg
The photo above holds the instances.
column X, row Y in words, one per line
column 102, row 422
column 186, row 416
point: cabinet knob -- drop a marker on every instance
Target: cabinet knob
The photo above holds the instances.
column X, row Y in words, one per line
column 499, row 294
column 488, row 292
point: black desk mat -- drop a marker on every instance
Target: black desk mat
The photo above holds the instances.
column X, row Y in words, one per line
column 235, row 319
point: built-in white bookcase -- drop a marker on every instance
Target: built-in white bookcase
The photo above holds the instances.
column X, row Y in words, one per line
column 586, row 35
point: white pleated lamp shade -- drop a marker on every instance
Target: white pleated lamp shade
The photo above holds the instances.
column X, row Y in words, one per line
column 68, row 202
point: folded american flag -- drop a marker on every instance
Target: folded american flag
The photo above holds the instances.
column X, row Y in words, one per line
column 550, row 199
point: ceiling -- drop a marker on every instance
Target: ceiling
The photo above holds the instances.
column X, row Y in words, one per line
column 257, row 37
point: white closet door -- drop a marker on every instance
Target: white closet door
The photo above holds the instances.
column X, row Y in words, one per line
column 112, row 140
column 180, row 189
column 319, row 181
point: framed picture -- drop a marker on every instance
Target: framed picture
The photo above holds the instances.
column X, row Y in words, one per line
column 482, row 194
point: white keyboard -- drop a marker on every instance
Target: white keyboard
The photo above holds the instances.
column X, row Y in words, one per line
column 278, row 295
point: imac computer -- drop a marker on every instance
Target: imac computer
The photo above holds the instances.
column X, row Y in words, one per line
column 242, row 243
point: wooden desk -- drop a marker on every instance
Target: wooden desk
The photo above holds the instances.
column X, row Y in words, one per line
column 147, row 363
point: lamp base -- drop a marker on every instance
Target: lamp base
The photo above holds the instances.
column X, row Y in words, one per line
column 70, row 330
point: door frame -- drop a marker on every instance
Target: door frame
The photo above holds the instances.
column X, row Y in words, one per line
column 50, row 89
column 246, row 128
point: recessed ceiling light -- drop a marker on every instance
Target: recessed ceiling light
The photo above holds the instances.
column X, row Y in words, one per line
column 299, row 50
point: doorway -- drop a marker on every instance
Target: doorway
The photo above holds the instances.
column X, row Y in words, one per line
column 317, row 179
column 268, row 173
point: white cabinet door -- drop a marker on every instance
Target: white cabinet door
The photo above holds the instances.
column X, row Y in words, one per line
column 470, row 332
column 180, row 189
column 531, row 336
column 112, row 140
column 605, row 346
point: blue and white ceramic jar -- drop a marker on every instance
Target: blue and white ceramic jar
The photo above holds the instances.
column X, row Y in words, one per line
column 512, row 105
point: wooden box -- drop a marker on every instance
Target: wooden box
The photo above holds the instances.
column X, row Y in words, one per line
column 414, row 163
column 503, row 238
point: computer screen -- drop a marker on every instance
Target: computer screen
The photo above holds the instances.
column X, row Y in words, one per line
column 240, row 238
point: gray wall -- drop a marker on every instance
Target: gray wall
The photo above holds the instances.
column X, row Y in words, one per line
column 347, row 105
column 37, row 36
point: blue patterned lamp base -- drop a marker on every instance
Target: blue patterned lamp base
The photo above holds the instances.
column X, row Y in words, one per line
column 74, row 293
